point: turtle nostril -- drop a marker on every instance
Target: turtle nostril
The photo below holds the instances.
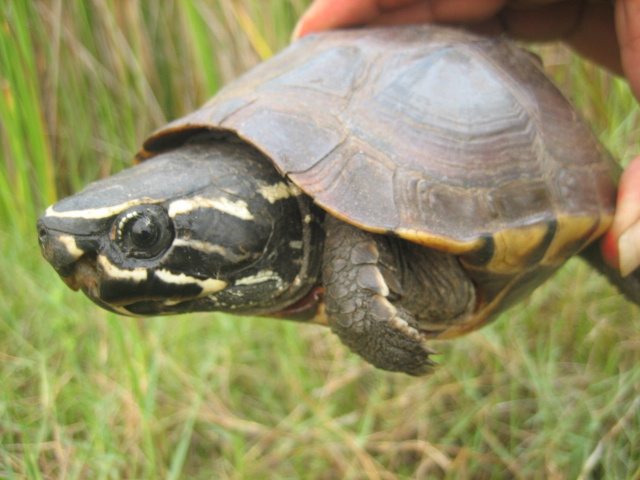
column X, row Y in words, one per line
column 42, row 235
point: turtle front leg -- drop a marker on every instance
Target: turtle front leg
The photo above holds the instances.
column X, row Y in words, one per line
column 366, row 297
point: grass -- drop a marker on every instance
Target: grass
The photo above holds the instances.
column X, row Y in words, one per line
column 550, row 390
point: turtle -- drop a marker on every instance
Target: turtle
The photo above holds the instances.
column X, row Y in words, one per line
column 396, row 184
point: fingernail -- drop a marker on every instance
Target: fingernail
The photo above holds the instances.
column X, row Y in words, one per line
column 300, row 27
column 609, row 248
column 629, row 249
column 296, row 31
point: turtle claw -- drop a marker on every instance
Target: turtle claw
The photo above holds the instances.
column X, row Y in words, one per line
column 431, row 351
column 389, row 342
column 426, row 369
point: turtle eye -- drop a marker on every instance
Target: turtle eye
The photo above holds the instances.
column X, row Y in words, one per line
column 144, row 231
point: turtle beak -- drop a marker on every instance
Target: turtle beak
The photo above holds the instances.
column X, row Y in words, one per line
column 61, row 251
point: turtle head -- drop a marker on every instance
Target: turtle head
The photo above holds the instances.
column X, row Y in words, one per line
column 207, row 226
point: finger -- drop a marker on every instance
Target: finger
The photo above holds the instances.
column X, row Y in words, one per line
column 621, row 244
column 629, row 249
column 627, row 219
column 595, row 36
column 588, row 27
column 328, row 14
column 542, row 22
column 628, row 207
column 456, row 12
column 461, row 11
column 628, row 28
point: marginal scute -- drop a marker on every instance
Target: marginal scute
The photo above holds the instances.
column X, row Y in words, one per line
column 574, row 232
column 442, row 243
column 514, row 249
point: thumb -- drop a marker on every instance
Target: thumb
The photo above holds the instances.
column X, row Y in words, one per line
column 621, row 244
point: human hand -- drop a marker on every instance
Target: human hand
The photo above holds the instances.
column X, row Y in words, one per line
column 605, row 31
column 621, row 244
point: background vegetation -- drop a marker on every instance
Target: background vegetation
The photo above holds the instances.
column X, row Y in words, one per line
column 551, row 390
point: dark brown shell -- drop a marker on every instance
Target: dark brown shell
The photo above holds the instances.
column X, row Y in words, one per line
column 454, row 141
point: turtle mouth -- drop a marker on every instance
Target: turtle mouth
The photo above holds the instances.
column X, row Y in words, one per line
column 309, row 309
column 83, row 275
column 130, row 292
column 71, row 282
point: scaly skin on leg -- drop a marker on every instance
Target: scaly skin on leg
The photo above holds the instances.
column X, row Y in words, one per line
column 366, row 281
